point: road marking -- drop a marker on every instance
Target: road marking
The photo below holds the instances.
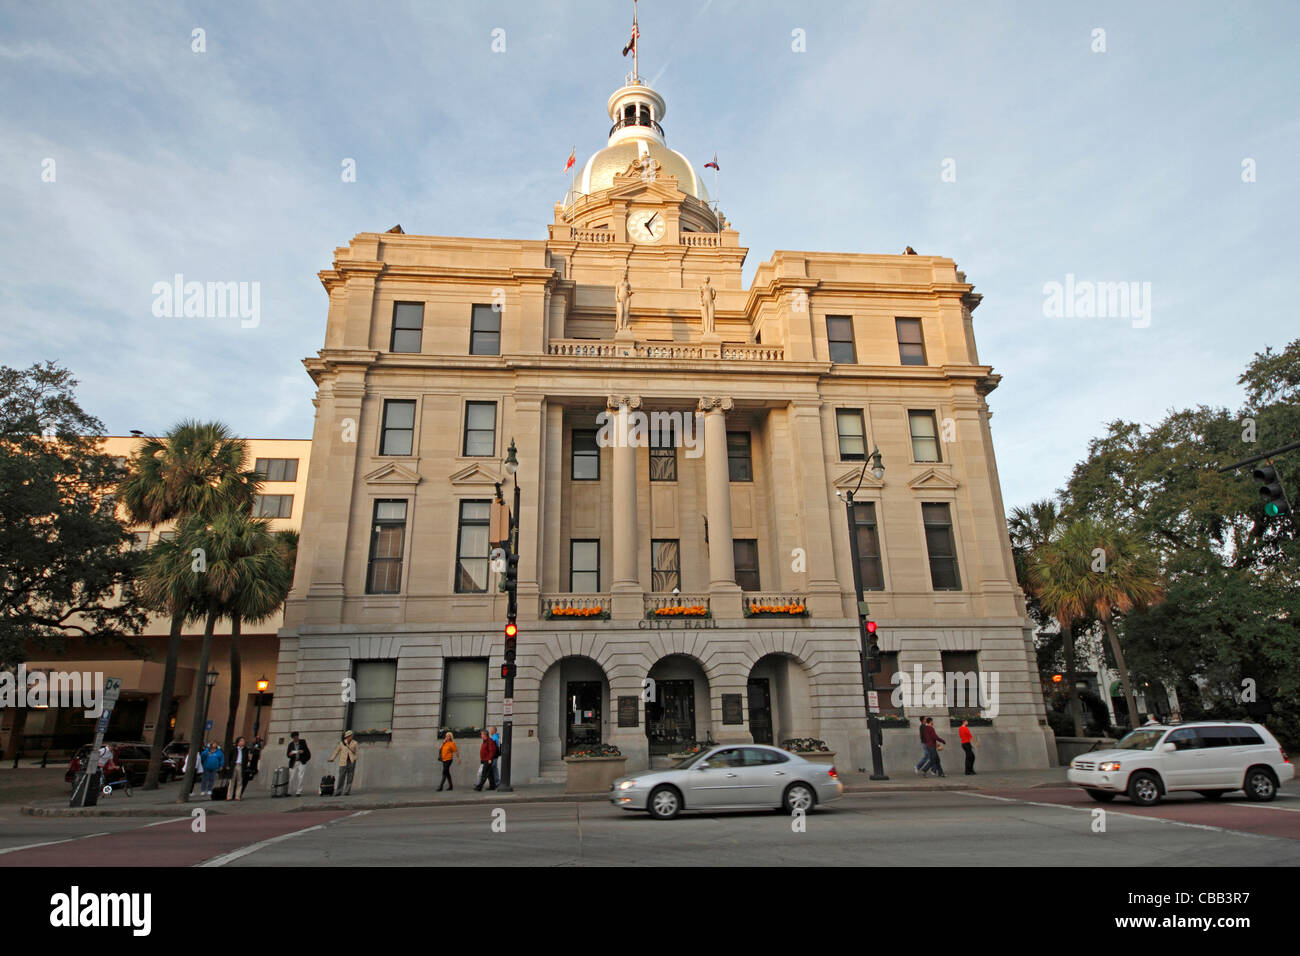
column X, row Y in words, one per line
column 33, row 846
column 1120, row 813
column 161, row 822
column 262, row 844
column 1262, row 806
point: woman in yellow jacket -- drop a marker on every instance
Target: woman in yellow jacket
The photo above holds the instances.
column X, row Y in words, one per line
column 446, row 753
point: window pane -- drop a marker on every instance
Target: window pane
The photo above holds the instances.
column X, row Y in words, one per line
column 476, row 510
column 586, row 555
column 738, row 458
column 465, row 713
column 586, row 456
column 480, row 428
column 398, row 428
column 911, row 346
column 399, row 414
column 839, row 334
column 406, row 340
column 464, row 694
column 925, row 439
column 390, row 510
column 408, row 315
column 466, row 677
column 376, row 679
column 472, row 547
column 665, row 567
column 485, row 331
column 941, row 547
column 745, row 551
column 851, row 434
column 873, row 576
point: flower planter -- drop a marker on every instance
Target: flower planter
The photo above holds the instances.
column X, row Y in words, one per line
column 592, row 774
column 817, row 756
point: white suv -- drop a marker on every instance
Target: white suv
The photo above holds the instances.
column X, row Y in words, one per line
column 1209, row 757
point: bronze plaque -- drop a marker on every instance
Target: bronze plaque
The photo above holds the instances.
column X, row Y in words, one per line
column 733, row 710
column 628, row 715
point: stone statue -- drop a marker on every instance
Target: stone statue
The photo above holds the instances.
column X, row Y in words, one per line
column 707, row 296
column 623, row 300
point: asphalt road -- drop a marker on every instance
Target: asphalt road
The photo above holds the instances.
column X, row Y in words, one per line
column 1040, row 827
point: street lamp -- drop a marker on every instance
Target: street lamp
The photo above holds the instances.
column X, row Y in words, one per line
column 262, row 685
column 512, row 608
column 873, row 722
column 210, row 678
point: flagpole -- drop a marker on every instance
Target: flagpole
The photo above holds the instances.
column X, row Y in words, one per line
column 636, row 70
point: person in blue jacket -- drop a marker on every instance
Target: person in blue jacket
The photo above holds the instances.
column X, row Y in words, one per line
column 213, row 761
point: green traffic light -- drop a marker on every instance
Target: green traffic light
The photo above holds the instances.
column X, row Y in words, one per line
column 1272, row 509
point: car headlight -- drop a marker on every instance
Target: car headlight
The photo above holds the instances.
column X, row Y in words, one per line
column 627, row 785
column 1109, row 765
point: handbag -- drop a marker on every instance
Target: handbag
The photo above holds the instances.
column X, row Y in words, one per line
column 938, row 746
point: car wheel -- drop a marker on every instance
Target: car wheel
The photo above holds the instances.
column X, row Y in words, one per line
column 1212, row 794
column 1101, row 796
column 799, row 796
column 1144, row 789
column 664, row 803
column 1261, row 786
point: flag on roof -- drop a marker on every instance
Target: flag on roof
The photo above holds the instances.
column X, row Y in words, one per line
column 631, row 44
column 714, row 164
column 573, row 157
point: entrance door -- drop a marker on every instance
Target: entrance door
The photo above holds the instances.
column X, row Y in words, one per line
column 582, row 715
column 670, row 719
column 760, row 710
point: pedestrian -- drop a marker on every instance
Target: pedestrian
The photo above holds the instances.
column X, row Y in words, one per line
column 933, row 744
column 254, row 760
column 237, row 760
column 446, row 753
column 346, row 752
column 496, row 761
column 968, row 745
column 923, row 765
column 299, row 753
column 486, row 751
column 213, row 761
column 104, row 759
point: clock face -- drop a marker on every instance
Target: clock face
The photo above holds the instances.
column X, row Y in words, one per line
column 646, row 225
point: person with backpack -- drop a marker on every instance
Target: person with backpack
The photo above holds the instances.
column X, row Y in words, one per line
column 298, row 753
column 446, row 753
column 496, row 761
column 486, row 751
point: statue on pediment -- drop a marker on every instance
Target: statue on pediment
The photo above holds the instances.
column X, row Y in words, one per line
column 623, row 303
column 708, row 296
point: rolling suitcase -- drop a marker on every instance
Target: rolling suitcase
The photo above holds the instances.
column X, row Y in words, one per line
column 280, row 782
column 327, row 786
column 219, row 791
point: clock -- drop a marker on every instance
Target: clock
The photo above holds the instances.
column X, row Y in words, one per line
column 646, row 225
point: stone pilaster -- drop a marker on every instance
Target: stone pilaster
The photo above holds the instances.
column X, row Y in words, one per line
column 724, row 593
column 626, row 590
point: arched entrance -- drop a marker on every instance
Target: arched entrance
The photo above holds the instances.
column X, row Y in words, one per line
column 573, row 710
column 779, row 699
column 678, row 711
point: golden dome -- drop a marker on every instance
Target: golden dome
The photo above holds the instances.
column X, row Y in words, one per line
column 605, row 164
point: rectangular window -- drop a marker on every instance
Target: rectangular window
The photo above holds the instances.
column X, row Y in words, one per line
column 166, row 535
column 376, row 685
column 663, row 453
column 911, row 346
column 745, row 551
column 941, row 546
column 853, row 434
column 585, row 464
column 272, row 506
column 398, row 435
column 408, row 327
column 925, row 436
column 480, row 429
column 665, row 565
column 584, row 566
column 961, row 683
column 864, row 518
column 739, row 463
column 141, row 540
column 464, row 696
column 387, row 543
column 278, row 469
column 472, row 547
column 485, row 331
column 839, row 335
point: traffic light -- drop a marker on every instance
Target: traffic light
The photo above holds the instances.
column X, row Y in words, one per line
column 873, row 649
column 1270, row 489
column 512, row 572
column 508, row 670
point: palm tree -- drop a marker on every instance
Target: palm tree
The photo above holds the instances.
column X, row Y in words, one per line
column 260, row 596
column 197, row 468
column 1095, row 570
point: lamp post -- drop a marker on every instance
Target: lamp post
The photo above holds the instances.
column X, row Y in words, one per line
column 210, row 678
column 873, row 722
column 512, row 608
column 262, row 685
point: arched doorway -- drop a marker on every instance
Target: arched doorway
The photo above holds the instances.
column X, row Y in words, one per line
column 779, row 699
column 677, row 714
column 573, row 709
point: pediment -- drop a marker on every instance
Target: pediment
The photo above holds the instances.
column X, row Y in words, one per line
column 631, row 187
column 392, row 473
column 932, row 478
column 474, row 474
column 849, row 480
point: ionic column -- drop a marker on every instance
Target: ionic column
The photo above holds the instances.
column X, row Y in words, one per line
column 724, row 593
column 626, row 589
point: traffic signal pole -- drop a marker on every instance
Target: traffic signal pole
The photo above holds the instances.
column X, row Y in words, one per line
column 512, row 609
column 1276, row 500
column 873, row 721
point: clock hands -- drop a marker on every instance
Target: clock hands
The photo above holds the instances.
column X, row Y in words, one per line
column 650, row 220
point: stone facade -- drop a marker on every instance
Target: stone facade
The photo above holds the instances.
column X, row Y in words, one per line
column 440, row 352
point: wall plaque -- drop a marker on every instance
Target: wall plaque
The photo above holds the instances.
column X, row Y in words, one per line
column 628, row 715
column 733, row 711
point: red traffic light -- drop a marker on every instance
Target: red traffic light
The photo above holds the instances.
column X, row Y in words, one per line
column 871, row 627
column 512, row 629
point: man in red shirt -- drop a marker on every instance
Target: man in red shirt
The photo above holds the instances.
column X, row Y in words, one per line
column 486, row 751
column 968, row 745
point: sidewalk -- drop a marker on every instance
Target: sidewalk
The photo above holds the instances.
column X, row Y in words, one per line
column 162, row 802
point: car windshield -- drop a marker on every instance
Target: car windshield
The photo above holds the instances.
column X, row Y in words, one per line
column 1141, row 740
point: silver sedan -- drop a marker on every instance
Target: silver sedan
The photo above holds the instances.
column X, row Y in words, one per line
column 730, row 777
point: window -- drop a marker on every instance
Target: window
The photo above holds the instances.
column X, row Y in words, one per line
column 408, row 327
column 376, row 685
column 911, row 346
column 883, row 683
column 665, row 565
column 584, row 566
column 941, row 547
column 141, row 540
column 464, row 696
column 745, row 552
column 387, row 542
column 1185, row 739
column 480, row 429
column 739, row 463
column 398, row 436
column 1216, row 736
column 472, row 547
column 166, row 535
column 864, row 517
column 925, row 436
column 485, row 331
column 585, row 465
column 839, row 335
column 278, row 469
column 853, row 434
column 272, row 506
column 961, row 683
column 119, row 462
column 663, row 452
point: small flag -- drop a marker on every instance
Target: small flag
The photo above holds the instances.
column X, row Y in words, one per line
column 573, row 157
column 631, row 44
column 714, row 164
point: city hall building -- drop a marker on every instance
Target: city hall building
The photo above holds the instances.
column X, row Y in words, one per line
column 684, row 583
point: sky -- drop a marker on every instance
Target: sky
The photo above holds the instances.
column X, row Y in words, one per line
column 1153, row 143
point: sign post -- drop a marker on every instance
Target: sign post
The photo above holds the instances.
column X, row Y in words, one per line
column 85, row 793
